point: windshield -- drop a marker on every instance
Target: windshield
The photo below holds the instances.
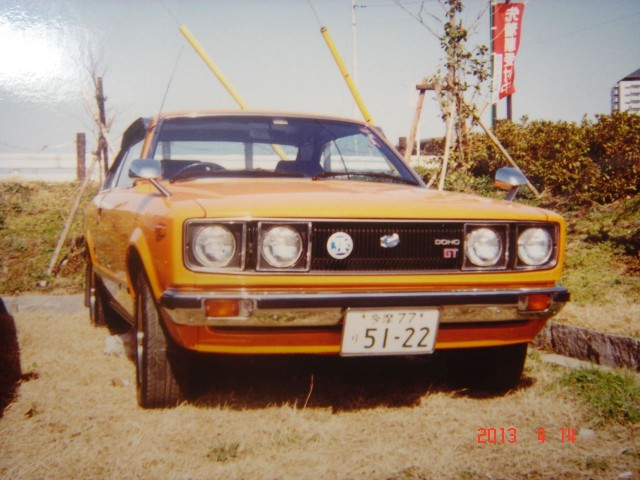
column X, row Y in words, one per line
column 262, row 146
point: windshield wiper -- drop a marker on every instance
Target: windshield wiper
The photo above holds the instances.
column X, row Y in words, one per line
column 249, row 173
column 382, row 175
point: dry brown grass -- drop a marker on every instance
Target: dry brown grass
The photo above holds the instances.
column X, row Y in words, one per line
column 372, row 419
column 619, row 315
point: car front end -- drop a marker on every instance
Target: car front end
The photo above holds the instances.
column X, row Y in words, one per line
column 270, row 233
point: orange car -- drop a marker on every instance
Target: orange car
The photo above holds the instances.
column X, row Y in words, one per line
column 269, row 233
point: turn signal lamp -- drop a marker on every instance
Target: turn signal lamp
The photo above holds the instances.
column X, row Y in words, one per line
column 537, row 302
column 227, row 308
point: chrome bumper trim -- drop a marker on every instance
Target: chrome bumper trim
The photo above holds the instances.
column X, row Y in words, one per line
column 325, row 309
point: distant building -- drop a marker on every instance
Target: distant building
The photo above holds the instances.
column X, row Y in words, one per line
column 625, row 96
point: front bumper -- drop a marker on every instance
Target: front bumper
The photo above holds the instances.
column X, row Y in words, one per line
column 279, row 309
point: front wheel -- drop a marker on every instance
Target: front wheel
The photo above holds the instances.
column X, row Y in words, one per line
column 491, row 369
column 161, row 365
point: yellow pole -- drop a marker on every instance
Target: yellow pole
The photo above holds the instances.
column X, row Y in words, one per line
column 225, row 83
column 345, row 75
column 210, row 63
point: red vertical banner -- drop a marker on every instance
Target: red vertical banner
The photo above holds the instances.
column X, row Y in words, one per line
column 507, row 22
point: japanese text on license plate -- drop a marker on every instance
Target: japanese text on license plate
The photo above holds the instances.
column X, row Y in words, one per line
column 390, row 331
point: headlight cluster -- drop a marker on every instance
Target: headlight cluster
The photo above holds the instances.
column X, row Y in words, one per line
column 487, row 247
column 227, row 246
column 286, row 246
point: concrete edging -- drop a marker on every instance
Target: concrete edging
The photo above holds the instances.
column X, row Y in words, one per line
column 586, row 344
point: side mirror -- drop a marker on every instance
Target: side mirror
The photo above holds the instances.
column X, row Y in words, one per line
column 148, row 169
column 510, row 179
column 145, row 168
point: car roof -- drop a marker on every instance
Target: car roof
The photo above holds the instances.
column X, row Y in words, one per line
column 254, row 113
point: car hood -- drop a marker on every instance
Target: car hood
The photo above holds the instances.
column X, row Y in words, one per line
column 306, row 198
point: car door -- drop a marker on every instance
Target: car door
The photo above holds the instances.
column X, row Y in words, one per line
column 113, row 217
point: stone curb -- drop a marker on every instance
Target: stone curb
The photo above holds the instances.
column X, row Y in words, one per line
column 590, row 345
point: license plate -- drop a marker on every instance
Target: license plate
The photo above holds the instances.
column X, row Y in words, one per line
column 396, row 331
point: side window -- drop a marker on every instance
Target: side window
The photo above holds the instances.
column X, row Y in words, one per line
column 122, row 179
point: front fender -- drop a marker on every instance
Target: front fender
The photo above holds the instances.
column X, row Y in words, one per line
column 140, row 259
column 89, row 247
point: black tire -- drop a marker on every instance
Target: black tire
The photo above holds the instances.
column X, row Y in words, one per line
column 161, row 365
column 94, row 298
column 492, row 369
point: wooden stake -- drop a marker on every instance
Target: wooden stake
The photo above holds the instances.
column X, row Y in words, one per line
column 422, row 88
column 448, row 134
column 447, row 148
column 102, row 118
column 96, row 119
column 67, row 225
column 504, row 152
column 83, row 186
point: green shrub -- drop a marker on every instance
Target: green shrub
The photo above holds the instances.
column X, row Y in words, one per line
column 614, row 145
column 595, row 161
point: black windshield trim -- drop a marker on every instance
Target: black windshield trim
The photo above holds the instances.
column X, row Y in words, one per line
column 253, row 173
column 386, row 176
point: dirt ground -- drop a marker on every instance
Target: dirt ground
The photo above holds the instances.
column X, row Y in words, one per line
column 75, row 416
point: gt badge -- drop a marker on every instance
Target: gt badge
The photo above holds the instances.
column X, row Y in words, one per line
column 340, row 245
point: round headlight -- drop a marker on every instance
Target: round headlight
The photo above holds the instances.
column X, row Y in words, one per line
column 535, row 246
column 281, row 246
column 214, row 246
column 483, row 247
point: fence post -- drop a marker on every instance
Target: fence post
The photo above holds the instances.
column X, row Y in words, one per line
column 81, row 148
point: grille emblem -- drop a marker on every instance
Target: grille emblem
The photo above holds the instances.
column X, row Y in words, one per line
column 340, row 245
column 390, row 241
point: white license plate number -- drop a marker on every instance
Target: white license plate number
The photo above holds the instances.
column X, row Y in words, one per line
column 390, row 331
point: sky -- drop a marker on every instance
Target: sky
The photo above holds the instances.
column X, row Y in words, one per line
column 571, row 54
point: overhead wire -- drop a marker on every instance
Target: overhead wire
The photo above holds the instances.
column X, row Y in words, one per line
column 166, row 7
column 173, row 72
column 584, row 29
column 315, row 13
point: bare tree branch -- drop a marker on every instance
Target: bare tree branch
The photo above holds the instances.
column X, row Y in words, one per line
column 418, row 17
column 464, row 70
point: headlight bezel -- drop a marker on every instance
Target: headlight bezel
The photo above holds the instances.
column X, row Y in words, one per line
column 552, row 257
column 194, row 262
column 214, row 246
column 301, row 262
column 502, row 258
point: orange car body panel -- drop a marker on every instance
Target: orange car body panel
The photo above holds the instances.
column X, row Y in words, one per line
column 140, row 221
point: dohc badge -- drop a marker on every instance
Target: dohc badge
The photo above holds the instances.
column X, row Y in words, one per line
column 340, row 245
